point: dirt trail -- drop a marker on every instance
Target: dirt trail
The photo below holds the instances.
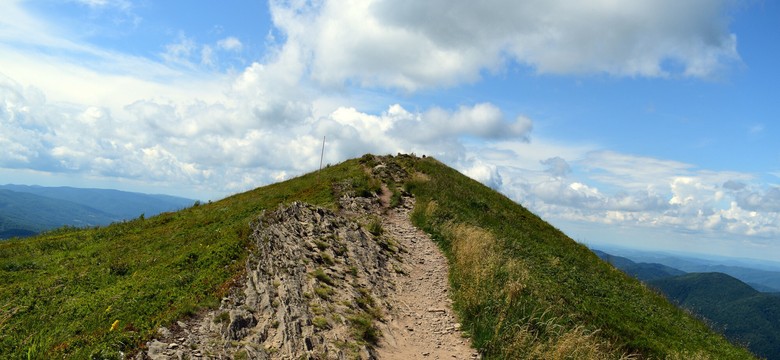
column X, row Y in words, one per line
column 270, row 316
column 422, row 324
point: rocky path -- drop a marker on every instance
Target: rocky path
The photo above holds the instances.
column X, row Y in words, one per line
column 422, row 324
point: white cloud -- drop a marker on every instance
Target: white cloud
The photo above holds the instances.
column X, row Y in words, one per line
column 764, row 200
column 621, row 189
column 255, row 129
column 180, row 51
column 121, row 4
column 230, row 43
column 207, row 55
column 410, row 44
column 485, row 173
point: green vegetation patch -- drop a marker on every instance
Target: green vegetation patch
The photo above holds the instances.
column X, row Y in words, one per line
column 81, row 293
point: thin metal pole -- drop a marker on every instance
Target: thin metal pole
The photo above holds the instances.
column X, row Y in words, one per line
column 322, row 154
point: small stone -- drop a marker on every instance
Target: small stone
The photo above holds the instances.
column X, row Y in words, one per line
column 163, row 331
column 173, row 346
column 426, row 353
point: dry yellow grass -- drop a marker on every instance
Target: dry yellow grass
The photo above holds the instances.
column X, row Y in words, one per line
column 475, row 258
column 541, row 337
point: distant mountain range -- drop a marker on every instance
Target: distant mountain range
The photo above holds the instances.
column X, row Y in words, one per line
column 762, row 275
column 642, row 271
column 28, row 210
column 743, row 314
column 738, row 310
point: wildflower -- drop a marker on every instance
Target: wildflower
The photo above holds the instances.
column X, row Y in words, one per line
column 108, row 309
column 115, row 325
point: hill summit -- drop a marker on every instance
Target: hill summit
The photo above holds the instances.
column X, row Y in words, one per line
column 311, row 268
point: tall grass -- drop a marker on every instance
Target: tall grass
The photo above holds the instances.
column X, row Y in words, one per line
column 524, row 290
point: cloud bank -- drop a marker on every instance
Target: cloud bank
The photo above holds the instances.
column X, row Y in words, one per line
column 412, row 44
column 183, row 122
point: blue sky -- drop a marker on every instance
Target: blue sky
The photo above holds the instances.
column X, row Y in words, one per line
column 647, row 124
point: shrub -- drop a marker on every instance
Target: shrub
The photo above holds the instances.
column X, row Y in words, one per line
column 375, row 227
column 364, row 329
column 323, row 277
column 320, row 323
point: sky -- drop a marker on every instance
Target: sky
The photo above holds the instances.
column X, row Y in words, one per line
column 649, row 124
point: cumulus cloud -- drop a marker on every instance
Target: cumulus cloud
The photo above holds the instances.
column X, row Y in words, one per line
column 187, row 52
column 483, row 120
column 411, row 44
column 648, row 193
column 487, row 174
column 758, row 200
column 265, row 126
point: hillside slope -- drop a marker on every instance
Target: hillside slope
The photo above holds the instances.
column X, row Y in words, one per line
column 522, row 288
column 733, row 307
column 521, row 285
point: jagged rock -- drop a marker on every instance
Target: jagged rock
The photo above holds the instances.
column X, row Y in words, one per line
column 313, row 272
column 240, row 322
column 389, row 171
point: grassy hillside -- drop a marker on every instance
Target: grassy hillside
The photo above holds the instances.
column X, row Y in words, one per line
column 61, row 293
column 524, row 289
column 742, row 313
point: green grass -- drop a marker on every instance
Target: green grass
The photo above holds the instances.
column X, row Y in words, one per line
column 526, row 290
column 61, row 292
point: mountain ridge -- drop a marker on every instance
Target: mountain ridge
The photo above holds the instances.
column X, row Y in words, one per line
column 642, row 271
column 521, row 288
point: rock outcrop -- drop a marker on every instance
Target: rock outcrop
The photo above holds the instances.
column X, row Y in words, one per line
column 311, row 289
